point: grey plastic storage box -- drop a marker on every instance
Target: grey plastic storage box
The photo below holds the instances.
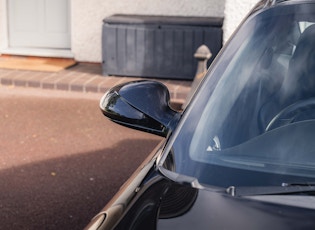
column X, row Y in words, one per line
column 157, row 46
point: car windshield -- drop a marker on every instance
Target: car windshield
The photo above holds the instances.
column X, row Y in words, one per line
column 253, row 120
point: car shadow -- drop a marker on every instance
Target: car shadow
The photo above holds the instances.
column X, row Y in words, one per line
column 65, row 193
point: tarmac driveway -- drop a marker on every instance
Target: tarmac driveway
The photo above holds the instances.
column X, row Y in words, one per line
column 61, row 160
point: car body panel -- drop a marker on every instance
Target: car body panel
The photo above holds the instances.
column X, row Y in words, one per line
column 242, row 178
column 164, row 204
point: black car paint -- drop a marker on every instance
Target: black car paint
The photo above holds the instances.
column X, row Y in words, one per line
column 143, row 110
column 159, row 203
column 155, row 198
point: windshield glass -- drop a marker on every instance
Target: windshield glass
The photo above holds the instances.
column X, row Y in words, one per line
column 253, row 120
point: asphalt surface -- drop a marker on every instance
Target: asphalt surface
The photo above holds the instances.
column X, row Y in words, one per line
column 61, row 159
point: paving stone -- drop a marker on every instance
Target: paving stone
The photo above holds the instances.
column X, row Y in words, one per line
column 83, row 77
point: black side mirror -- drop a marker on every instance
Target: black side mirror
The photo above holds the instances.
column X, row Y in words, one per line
column 142, row 105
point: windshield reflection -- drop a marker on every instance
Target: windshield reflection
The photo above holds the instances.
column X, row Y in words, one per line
column 255, row 113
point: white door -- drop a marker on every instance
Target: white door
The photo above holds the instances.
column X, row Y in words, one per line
column 39, row 24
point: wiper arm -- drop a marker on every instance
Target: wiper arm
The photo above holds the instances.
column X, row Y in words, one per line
column 284, row 189
column 284, row 184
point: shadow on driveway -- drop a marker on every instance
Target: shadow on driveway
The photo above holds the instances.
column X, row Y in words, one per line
column 66, row 192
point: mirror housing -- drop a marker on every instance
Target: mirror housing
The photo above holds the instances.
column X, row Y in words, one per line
column 142, row 105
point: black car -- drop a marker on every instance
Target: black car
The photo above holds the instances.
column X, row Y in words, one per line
column 241, row 155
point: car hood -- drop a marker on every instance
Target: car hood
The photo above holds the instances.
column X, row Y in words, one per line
column 216, row 210
column 162, row 204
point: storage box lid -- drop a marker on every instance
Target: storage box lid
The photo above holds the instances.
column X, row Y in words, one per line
column 166, row 20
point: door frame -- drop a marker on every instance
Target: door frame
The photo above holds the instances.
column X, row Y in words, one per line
column 4, row 39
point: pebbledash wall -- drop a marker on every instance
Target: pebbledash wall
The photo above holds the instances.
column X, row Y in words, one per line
column 86, row 46
column 87, row 18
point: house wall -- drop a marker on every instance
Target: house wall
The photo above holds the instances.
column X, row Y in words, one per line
column 87, row 18
column 235, row 12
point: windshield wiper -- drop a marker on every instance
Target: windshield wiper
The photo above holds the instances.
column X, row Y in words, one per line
column 285, row 189
column 285, row 184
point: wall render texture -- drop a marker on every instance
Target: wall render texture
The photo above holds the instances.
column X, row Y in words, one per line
column 87, row 17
